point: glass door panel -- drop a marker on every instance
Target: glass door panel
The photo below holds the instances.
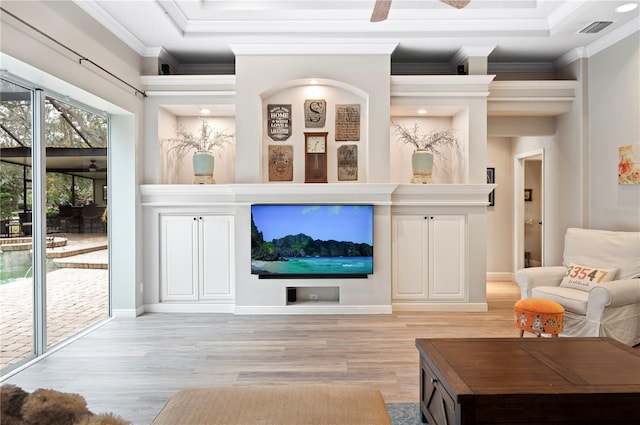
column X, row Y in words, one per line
column 17, row 336
column 77, row 252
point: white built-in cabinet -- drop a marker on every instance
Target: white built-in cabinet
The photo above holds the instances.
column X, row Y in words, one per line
column 196, row 258
column 429, row 258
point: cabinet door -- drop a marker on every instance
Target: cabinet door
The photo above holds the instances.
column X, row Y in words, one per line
column 179, row 258
column 216, row 257
column 409, row 258
column 447, row 257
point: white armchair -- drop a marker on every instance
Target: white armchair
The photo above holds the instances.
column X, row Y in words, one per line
column 607, row 308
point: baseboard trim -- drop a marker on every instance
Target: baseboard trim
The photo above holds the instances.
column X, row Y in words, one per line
column 127, row 312
column 501, row 277
column 315, row 308
column 462, row 307
column 188, row 308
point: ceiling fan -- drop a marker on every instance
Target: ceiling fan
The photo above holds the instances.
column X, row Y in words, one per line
column 381, row 8
column 93, row 167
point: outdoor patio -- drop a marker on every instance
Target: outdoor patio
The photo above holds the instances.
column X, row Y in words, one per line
column 77, row 296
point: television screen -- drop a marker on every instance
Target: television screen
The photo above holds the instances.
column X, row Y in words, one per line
column 311, row 240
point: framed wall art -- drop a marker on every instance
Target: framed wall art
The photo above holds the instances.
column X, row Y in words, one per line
column 491, row 178
column 315, row 113
column 347, row 123
column 629, row 164
column 348, row 163
column 279, row 122
column 528, row 195
column 280, row 163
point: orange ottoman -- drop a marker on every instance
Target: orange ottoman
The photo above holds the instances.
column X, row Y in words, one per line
column 539, row 316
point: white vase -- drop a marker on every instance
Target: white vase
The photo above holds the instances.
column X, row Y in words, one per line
column 203, row 163
column 422, row 166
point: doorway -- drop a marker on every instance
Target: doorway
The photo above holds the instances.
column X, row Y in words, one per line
column 529, row 209
column 54, row 277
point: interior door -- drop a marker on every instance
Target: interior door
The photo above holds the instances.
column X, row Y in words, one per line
column 533, row 196
column 528, row 209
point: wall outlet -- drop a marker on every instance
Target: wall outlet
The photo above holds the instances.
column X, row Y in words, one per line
column 313, row 297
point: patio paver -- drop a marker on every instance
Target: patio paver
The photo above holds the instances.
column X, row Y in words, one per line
column 77, row 296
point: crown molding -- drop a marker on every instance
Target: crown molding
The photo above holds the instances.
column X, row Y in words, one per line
column 570, row 57
column 313, row 48
column 93, row 9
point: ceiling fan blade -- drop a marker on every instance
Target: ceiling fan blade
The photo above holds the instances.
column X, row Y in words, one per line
column 458, row 4
column 380, row 10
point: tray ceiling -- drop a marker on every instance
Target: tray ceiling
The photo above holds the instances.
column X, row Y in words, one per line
column 200, row 32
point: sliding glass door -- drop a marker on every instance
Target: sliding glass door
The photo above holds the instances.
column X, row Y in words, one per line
column 17, row 310
column 77, row 293
column 53, row 159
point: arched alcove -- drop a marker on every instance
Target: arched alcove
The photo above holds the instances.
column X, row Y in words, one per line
column 288, row 138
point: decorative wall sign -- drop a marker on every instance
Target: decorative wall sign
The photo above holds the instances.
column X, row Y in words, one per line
column 315, row 113
column 280, row 163
column 279, row 122
column 491, row 178
column 347, row 123
column 629, row 164
column 348, row 162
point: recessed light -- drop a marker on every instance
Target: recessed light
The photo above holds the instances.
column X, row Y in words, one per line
column 628, row 7
column 204, row 111
column 422, row 111
column 313, row 82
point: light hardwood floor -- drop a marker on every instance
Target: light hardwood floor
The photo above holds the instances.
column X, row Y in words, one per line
column 132, row 366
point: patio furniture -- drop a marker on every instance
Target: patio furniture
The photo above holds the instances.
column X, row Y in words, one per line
column 70, row 218
column 92, row 219
column 25, row 219
column 4, row 228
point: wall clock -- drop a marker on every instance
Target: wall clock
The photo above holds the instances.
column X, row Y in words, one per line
column 315, row 157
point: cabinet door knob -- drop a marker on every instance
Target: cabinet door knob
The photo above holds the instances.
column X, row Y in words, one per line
column 434, row 380
column 195, row 218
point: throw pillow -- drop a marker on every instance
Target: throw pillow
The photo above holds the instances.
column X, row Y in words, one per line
column 585, row 278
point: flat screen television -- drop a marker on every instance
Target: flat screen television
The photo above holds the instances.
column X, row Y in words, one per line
column 311, row 241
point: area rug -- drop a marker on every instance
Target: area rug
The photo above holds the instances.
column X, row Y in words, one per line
column 404, row 413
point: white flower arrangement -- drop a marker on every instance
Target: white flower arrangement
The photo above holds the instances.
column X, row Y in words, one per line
column 430, row 142
column 208, row 139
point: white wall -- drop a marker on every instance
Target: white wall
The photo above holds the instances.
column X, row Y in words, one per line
column 614, row 108
column 564, row 156
column 500, row 216
column 581, row 153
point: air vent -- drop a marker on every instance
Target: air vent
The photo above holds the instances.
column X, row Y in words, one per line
column 595, row 27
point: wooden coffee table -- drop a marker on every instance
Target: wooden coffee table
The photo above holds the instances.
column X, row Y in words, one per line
column 529, row 381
